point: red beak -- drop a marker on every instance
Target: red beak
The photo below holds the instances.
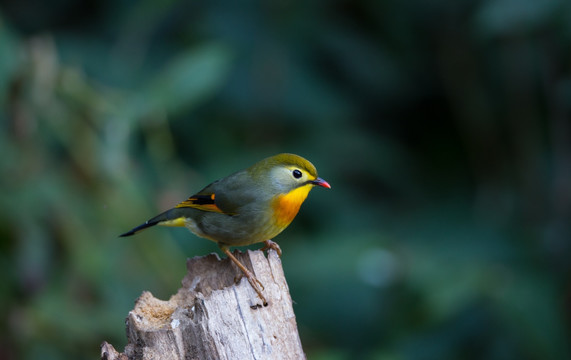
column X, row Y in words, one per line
column 320, row 182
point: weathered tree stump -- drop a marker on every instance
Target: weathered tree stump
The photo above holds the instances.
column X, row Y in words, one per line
column 214, row 317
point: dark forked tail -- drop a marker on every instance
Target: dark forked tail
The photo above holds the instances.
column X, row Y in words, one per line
column 172, row 217
column 141, row 227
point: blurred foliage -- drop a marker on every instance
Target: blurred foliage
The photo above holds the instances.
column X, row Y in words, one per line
column 444, row 128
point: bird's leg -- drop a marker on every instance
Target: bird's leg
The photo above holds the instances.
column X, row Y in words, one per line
column 254, row 282
column 272, row 245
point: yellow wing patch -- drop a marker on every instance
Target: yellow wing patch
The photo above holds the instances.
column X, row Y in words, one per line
column 201, row 202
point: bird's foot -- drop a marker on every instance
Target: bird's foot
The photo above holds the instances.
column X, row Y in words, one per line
column 257, row 286
column 272, row 245
column 254, row 282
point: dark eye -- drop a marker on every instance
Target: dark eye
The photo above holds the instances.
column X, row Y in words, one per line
column 296, row 174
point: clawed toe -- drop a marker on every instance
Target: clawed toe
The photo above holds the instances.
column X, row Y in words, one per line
column 269, row 244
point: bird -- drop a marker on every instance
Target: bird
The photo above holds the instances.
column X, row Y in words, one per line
column 250, row 206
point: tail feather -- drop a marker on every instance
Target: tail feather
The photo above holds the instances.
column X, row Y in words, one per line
column 172, row 217
column 141, row 227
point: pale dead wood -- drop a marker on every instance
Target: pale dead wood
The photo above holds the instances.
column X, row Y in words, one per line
column 213, row 317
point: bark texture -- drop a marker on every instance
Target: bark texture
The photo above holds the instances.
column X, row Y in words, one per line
column 214, row 317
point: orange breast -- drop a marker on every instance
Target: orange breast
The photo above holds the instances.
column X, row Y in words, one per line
column 286, row 206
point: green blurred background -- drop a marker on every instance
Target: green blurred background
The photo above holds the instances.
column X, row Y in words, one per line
column 443, row 126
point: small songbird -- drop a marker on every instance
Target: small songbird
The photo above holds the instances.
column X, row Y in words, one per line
column 250, row 206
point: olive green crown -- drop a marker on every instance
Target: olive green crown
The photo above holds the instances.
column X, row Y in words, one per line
column 285, row 160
